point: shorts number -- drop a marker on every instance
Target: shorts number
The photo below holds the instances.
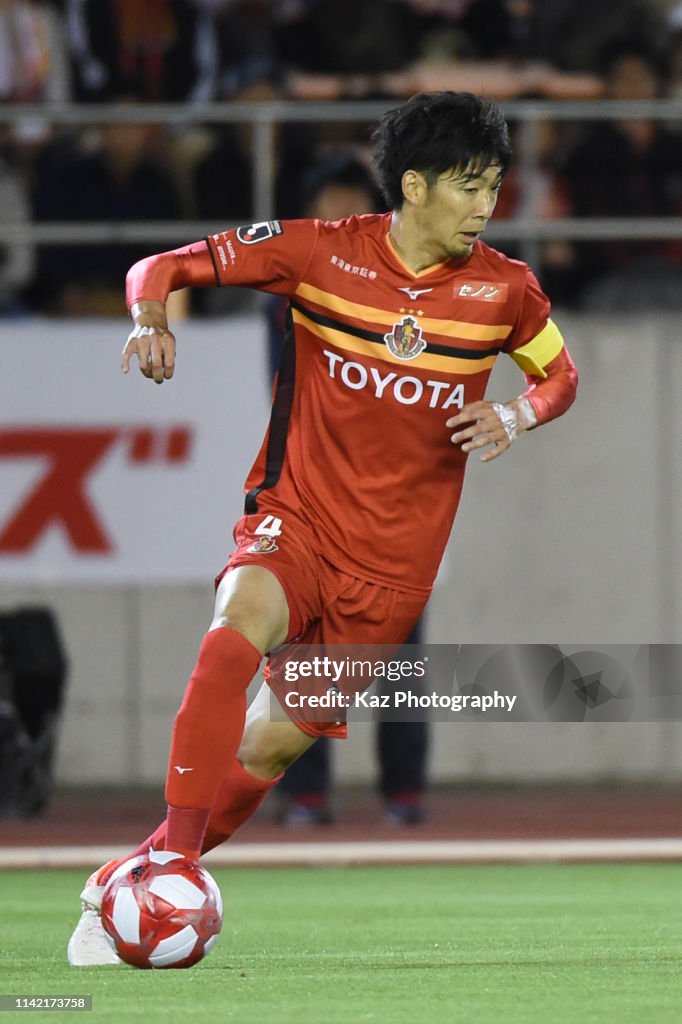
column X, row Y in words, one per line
column 270, row 527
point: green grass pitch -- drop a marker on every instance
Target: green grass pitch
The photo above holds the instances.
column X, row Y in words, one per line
column 557, row 944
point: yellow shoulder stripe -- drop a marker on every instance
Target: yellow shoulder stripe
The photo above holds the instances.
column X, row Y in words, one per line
column 542, row 349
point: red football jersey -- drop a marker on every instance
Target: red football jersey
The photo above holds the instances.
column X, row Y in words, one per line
column 376, row 358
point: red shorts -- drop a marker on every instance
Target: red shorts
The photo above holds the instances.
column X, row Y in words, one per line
column 326, row 605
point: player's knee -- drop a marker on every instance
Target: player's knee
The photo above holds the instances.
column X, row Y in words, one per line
column 265, row 764
column 257, row 621
column 268, row 753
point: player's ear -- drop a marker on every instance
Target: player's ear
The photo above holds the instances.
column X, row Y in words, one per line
column 414, row 187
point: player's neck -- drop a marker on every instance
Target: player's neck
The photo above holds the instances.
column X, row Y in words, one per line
column 415, row 252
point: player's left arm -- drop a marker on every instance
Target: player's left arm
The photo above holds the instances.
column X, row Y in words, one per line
column 552, row 380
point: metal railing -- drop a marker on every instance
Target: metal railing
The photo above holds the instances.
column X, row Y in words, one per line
column 265, row 118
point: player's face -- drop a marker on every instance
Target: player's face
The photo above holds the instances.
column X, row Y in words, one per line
column 456, row 209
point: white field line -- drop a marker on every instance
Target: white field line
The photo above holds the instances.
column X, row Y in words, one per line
column 394, row 852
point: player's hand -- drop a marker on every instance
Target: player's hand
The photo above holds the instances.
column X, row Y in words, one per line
column 491, row 425
column 152, row 343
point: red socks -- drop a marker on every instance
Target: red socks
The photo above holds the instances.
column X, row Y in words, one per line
column 206, row 734
column 156, row 841
column 240, row 795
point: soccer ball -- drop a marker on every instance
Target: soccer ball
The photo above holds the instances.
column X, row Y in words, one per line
column 162, row 910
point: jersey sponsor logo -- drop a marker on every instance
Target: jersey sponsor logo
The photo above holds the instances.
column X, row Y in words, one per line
column 352, row 268
column 224, row 250
column 482, row 291
column 414, row 293
column 259, row 231
column 436, row 394
column 405, row 340
column 263, row 546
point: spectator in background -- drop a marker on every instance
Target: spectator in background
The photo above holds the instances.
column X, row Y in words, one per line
column 26, row 34
column 154, row 50
column 109, row 174
column 246, row 45
column 17, row 257
column 401, row 749
column 223, row 177
column 335, row 49
column 627, row 168
column 347, row 37
column 333, row 189
column 568, row 35
column 32, row 70
column 674, row 60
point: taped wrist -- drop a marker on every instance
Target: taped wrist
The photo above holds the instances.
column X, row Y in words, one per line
column 514, row 420
column 509, row 420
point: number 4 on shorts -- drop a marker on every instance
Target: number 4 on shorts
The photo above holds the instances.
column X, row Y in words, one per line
column 270, row 527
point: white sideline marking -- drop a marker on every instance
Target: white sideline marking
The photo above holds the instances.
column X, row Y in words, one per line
column 485, row 851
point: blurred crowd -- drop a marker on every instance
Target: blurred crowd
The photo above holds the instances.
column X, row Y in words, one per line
column 188, row 51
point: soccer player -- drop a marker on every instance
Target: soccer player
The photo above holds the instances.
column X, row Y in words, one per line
column 395, row 321
column 334, row 188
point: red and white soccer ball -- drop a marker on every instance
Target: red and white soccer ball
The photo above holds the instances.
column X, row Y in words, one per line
column 162, row 910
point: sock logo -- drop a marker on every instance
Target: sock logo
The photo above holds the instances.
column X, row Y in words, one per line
column 180, row 770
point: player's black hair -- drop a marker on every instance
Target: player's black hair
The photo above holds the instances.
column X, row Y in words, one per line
column 438, row 132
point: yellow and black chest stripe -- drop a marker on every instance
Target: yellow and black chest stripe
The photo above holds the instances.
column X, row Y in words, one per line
column 403, row 337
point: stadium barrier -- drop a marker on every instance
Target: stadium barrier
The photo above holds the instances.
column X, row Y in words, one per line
column 571, row 538
column 265, row 119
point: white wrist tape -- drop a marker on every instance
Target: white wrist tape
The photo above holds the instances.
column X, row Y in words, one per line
column 527, row 414
column 509, row 420
column 512, row 421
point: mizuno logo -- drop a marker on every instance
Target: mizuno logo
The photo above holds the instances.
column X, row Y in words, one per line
column 415, row 292
column 181, row 771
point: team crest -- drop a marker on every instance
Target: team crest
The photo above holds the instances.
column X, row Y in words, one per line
column 405, row 341
column 263, row 546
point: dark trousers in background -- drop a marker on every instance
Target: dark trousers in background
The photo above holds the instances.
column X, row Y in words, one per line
column 401, row 748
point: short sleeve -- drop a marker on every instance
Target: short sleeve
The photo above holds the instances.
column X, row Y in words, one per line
column 533, row 314
column 271, row 255
column 535, row 340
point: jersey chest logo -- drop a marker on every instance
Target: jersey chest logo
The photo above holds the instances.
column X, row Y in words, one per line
column 414, row 293
column 405, row 340
column 482, row 291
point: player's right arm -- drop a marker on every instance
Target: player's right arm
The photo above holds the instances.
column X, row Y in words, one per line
column 148, row 285
column 269, row 255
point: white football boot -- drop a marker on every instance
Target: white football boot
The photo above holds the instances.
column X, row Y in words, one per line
column 89, row 945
